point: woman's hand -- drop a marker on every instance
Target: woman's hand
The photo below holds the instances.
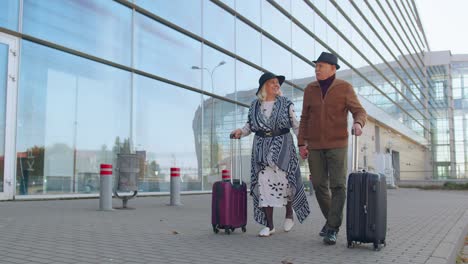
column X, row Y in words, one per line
column 236, row 133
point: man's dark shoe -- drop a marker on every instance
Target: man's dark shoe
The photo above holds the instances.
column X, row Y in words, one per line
column 330, row 238
column 324, row 230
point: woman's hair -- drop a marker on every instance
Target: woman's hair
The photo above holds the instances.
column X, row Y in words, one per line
column 262, row 94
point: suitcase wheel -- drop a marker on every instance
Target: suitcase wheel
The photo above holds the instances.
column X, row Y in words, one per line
column 215, row 229
column 244, row 229
column 350, row 244
column 227, row 231
column 376, row 246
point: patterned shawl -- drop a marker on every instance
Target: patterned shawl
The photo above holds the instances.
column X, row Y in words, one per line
column 279, row 151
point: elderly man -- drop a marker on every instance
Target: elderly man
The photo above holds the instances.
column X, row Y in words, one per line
column 323, row 138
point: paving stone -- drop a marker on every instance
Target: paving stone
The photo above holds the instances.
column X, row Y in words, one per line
column 73, row 231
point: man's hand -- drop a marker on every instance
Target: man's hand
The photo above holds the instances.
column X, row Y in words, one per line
column 304, row 152
column 357, row 129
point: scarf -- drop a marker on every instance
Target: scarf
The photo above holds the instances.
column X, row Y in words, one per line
column 279, row 151
column 325, row 84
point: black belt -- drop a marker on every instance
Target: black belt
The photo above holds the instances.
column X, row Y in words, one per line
column 273, row 133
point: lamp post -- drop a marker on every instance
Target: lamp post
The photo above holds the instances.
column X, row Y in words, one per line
column 211, row 73
column 221, row 63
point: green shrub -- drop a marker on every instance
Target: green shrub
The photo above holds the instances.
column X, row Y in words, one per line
column 455, row 186
column 445, row 186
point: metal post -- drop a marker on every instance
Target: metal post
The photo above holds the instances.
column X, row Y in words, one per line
column 226, row 175
column 175, row 186
column 105, row 188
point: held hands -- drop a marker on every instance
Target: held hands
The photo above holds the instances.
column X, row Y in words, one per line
column 236, row 134
column 304, row 152
column 357, row 129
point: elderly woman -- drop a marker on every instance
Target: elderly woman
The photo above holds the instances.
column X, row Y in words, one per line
column 275, row 175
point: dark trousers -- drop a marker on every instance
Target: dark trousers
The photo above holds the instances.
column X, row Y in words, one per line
column 328, row 168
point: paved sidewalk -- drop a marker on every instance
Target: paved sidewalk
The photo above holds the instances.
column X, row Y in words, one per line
column 423, row 227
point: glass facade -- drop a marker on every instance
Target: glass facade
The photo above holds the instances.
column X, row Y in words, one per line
column 100, row 77
column 9, row 14
column 3, row 82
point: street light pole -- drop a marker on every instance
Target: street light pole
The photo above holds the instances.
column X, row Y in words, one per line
column 211, row 73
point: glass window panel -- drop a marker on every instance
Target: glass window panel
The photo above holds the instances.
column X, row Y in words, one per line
column 302, row 12
column 457, row 82
column 219, row 145
column 161, row 59
column 287, row 90
column 320, row 27
column 332, row 37
column 303, row 72
column 250, row 10
column 153, row 127
column 345, row 51
column 218, row 72
column 246, row 82
column 276, row 23
column 458, row 122
column 186, row 14
column 97, row 27
column 297, row 99
column 219, row 120
column 286, row 4
column 275, row 58
column 70, row 111
column 248, row 42
column 465, row 80
column 218, row 26
column 303, row 43
column 465, row 92
column 3, row 89
column 321, row 5
column 9, row 14
column 443, row 153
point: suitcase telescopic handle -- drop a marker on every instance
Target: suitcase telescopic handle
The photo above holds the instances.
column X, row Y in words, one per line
column 355, row 152
column 238, row 160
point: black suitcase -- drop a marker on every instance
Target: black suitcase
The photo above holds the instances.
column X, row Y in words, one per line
column 366, row 208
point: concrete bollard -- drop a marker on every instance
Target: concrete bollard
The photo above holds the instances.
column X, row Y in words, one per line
column 175, row 186
column 225, row 175
column 105, row 188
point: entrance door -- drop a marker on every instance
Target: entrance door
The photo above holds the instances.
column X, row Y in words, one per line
column 8, row 93
column 396, row 165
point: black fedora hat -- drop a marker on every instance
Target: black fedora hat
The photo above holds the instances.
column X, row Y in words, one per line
column 267, row 76
column 328, row 58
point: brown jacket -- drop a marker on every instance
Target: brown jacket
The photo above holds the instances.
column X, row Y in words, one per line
column 324, row 122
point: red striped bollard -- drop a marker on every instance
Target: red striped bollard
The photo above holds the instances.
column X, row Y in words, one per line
column 105, row 188
column 175, row 186
column 225, row 175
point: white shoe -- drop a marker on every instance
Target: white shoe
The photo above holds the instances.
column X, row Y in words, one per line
column 266, row 232
column 288, row 224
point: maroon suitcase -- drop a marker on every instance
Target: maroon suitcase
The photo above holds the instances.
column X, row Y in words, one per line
column 229, row 203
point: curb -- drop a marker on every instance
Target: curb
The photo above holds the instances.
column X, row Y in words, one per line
column 447, row 250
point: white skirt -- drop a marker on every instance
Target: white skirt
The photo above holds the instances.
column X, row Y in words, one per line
column 273, row 188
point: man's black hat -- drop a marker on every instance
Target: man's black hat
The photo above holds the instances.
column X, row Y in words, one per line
column 328, row 58
column 267, row 76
